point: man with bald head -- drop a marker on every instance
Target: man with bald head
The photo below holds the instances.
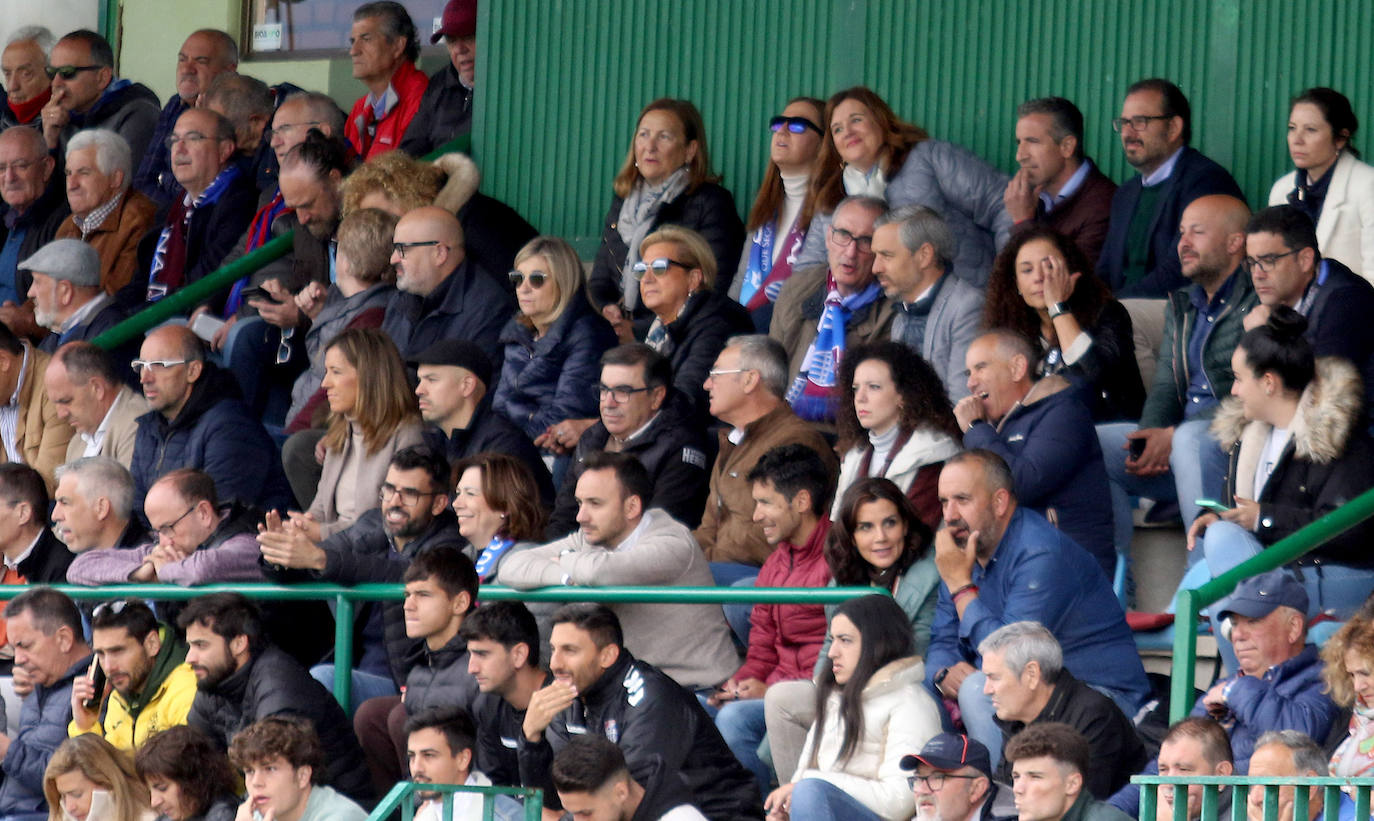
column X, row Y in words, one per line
column 198, row 421
column 1169, row 454
column 1042, row 429
column 206, row 54
column 25, row 63
column 440, row 294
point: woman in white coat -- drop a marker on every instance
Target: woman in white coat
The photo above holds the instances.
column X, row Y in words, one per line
column 871, row 709
column 1330, row 183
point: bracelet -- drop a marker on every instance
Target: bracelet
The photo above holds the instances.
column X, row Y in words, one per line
column 968, row 588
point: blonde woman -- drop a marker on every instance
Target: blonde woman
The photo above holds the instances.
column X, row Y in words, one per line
column 89, row 780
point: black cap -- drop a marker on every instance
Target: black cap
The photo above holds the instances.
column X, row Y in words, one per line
column 459, row 353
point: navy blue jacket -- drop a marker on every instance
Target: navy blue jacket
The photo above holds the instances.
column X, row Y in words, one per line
column 214, row 433
column 1056, row 464
column 1338, row 323
column 489, row 430
column 555, row 377
column 1038, row 574
column 699, row 333
column 469, row 304
column 1194, row 176
column 42, row 728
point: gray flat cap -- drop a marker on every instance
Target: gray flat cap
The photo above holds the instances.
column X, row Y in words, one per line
column 67, row 259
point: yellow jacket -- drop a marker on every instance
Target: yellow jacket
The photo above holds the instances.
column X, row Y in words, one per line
column 168, row 706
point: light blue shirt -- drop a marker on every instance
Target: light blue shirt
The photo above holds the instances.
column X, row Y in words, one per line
column 1161, row 174
column 1070, row 188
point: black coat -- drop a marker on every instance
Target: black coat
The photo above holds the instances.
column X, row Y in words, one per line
column 499, row 729
column 493, row 233
column 673, row 449
column 1117, row 752
column 1338, row 323
column 441, row 679
column 468, row 304
column 649, row 716
column 709, row 210
column 1107, row 377
column 272, row 683
column 40, row 222
column 445, row 112
column 48, row 562
column 490, row 431
column 1194, row 176
column 699, row 333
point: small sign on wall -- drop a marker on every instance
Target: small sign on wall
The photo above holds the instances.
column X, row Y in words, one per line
column 267, row 37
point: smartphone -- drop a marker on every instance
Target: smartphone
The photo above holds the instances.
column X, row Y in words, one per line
column 259, row 293
column 1211, row 504
column 97, row 678
column 1138, row 448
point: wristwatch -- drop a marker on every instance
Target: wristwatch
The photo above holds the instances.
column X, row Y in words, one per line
column 1058, row 309
column 940, row 677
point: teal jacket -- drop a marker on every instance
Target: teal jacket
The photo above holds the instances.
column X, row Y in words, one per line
column 917, row 591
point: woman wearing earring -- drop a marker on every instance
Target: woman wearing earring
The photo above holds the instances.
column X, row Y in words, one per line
column 1329, row 182
column 666, row 179
column 775, row 232
column 497, row 505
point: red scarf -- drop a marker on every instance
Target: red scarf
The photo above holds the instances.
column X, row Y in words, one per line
column 28, row 112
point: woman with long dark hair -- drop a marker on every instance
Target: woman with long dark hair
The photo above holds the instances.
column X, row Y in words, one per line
column 1043, row 288
column 894, row 422
column 187, row 776
column 871, row 709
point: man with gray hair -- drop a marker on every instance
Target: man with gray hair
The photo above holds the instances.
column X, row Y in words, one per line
column 249, row 104
column 384, row 45
column 25, row 65
column 746, row 386
column 1026, row 679
column 935, row 313
column 88, row 389
column 35, row 207
column 824, row 309
column 66, row 293
column 93, row 506
column 105, row 213
column 1291, row 754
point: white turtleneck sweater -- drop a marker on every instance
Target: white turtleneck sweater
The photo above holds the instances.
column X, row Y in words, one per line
column 794, row 192
column 882, row 445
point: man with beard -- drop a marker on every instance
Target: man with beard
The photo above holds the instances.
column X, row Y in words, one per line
column 67, row 296
column 242, row 678
column 951, row 778
column 152, row 686
column 441, row 747
column 1039, row 574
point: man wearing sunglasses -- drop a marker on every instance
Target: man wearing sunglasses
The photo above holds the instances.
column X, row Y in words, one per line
column 87, row 94
column 951, row 778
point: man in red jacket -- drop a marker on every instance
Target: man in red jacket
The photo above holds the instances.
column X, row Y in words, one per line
column 792, row 488
column 383, row 46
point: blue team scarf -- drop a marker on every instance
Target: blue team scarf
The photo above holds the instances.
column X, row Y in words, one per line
column 495, row 549
column 757, row 289
column 811, row 394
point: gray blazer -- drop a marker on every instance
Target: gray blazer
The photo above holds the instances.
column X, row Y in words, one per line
column 955, row 321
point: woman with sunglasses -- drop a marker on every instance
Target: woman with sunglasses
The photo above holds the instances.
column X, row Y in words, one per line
column 553, row 347
column 676, row 273
column 1330, row 184
column 666, row 179
column 871, row 709
column 871, row 151
column 1038, row 288
column 775, row 234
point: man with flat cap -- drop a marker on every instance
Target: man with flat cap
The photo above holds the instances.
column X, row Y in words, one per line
column 951, row 778
column 67, row 297
column 446, row 107
column 454, row 376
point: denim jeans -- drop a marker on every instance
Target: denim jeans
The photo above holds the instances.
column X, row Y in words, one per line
column 742, row 726
column 365, row 685
column 814, row 799
column 732, row 574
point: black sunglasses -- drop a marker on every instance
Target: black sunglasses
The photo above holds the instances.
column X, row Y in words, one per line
column 796, row 125
column 68, row 72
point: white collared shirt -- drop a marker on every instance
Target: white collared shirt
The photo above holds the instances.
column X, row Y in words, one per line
column 13, row 564
column 94, row 441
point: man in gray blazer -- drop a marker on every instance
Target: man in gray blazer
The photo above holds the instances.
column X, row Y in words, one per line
column 935, row 313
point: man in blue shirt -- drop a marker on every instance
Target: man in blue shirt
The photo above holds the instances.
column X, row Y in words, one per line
column 1000, row 563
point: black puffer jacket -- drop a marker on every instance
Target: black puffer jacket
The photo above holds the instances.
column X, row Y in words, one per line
column 649, row 716
column 673, row 449
column 490, row 431
column 442, row 679
column 698, row 334
column 272, row 683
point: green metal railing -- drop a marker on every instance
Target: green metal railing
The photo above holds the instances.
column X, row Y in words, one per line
column 1240, row 787
column 346, row 598
column 402, row 797
column 1190, row 603
column 184, row 299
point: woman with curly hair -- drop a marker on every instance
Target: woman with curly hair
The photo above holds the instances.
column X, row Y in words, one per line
column 895, row 422
column 872, row 151
column 1349, row 674
column 1038, row 289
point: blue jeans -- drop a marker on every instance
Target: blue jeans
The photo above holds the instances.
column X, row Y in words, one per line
column 732, row 574
column 816, row 800
column 365, row 685
column 975, row 706
column 741, row 725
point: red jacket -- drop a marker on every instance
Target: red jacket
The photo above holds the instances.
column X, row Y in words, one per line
column 785, row 639
column 409, row 83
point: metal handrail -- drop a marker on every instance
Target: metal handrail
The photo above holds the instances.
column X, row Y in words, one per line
column 1240, row 785
column 1190, row 603
column 398, row 798
column 345, row 598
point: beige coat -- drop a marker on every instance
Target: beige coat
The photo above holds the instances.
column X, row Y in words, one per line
column 371, row 471
column 123, row 428
column 39, row 434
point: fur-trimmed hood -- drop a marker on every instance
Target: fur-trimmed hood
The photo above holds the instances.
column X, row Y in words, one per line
column 463, row 181
column 1328, row 412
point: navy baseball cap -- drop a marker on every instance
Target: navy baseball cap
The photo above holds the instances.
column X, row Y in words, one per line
column 1256, row 597
column 950, row 751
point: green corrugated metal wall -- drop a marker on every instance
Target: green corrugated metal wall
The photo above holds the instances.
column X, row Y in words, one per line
column 563, row 80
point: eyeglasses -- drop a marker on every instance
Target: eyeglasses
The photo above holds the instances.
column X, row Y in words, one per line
column 400, row 248
column 726, row 371
column 286, row 128
column 935, row 781
column 844, row 239
column 409, row 495
column 659, row 267
column 169, row 529
column 18, row 166
column 1139, row 122
column 797, row 125
column 157, row 365
column 1265, row 263
column 620, row 393
column 536, row 278
column 190, row 138
column 68, row 72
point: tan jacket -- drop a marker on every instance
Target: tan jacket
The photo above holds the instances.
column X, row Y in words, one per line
column 119, row 436
column 371, row 472
column 116, row 240
column 39, row 434
column 728, row 532
column 798, row 311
